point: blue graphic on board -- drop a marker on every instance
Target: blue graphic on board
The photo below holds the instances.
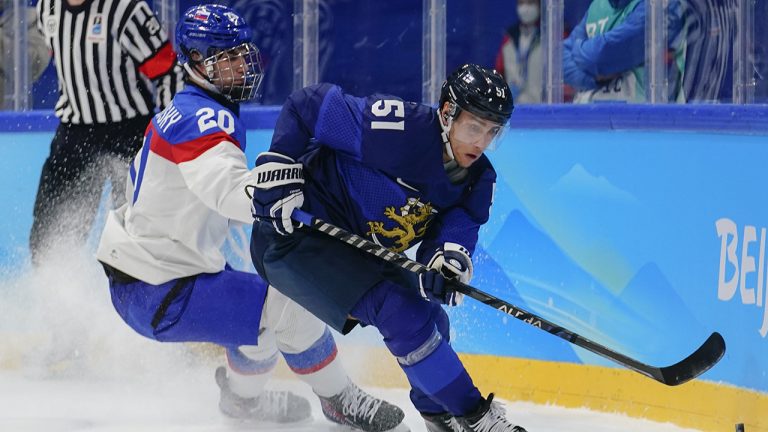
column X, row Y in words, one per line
column 614, row 235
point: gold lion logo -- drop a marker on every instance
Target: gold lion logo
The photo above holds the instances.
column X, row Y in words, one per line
column 411, row 215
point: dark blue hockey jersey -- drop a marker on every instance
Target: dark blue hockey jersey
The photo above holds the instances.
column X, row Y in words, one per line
column 373, row 165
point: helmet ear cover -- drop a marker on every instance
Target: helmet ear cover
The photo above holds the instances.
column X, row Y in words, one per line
column 451, row 112
column 196, row 56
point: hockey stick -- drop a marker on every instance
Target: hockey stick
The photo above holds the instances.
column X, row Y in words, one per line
column 701, row 360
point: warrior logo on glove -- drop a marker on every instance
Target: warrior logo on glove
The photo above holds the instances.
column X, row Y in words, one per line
column 278, row 190
column 278, row 175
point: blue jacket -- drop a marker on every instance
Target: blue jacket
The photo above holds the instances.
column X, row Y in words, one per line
column 622, row 48
column 615, row 51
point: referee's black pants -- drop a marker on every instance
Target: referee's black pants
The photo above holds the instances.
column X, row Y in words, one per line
column 81, row 159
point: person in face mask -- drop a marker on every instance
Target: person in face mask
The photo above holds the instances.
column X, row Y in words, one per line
column 519, row 58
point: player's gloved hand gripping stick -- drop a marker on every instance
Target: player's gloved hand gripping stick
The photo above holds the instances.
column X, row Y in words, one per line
column 700, row 361
column 451, row 262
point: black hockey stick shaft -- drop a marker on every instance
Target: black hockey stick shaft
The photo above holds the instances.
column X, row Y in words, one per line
column 701, row 360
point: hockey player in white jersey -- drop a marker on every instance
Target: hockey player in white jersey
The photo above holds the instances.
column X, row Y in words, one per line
column 161, row 251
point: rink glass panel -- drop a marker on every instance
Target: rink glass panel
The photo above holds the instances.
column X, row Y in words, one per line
column 369, row 47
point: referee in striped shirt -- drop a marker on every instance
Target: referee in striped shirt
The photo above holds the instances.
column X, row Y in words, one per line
column 115, row 66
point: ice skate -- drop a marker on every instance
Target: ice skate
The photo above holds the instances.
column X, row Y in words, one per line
column 442, row 423
column 357, row 409
column 489, row 417
column 270, row 406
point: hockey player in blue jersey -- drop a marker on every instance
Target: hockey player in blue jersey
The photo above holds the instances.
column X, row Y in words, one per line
column 399, row 173
column 161, row 251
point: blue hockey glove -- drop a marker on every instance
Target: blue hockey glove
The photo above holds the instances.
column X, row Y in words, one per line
column 452, row 262
column 433, row 287
column 279, row 184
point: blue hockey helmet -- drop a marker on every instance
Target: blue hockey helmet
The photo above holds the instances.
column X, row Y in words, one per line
column 220, row 40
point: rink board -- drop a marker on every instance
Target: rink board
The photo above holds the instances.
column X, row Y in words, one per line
column 701, row 405
column 642, row 229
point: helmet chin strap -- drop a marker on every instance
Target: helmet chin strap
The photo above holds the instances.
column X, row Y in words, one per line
column 445, row 124
column 456, row 174
column 194, row 75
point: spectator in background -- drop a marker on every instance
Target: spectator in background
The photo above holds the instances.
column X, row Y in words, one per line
column 520, row 58
column 604, row 56
column 37, row 50
column 109, row 54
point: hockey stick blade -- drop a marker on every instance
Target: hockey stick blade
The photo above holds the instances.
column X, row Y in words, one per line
column 700, row 361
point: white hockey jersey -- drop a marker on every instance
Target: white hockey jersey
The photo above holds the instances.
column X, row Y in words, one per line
column 185, row 185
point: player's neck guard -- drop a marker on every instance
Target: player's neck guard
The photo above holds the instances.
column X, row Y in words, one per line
column 456, row 174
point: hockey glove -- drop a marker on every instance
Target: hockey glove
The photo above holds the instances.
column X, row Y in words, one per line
column 434, row 288
column 279, row 184
column 452, row 262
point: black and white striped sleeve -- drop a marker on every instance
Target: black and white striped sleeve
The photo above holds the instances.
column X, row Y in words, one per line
column 144, row 39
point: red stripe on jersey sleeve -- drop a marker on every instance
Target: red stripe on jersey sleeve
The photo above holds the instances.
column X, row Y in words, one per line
column 160, row 63
column 157, row 144
column 190, row 150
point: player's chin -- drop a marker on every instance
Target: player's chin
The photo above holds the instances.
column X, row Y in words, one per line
column 467, row 159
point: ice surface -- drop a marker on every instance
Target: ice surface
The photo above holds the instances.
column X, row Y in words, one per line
column 67, row 363
column 188, row 402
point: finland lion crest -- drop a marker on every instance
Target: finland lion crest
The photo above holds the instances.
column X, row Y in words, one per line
column 412, row 222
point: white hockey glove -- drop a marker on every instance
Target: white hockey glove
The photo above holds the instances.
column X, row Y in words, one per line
column 279, row 188
column 452, row 262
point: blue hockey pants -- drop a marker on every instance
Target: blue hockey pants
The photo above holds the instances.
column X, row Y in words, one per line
column 416, row 332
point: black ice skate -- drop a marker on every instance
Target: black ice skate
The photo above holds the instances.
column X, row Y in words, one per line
column 489, row 417
column 270, row 406
column 442, row 423
column 357, row 409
